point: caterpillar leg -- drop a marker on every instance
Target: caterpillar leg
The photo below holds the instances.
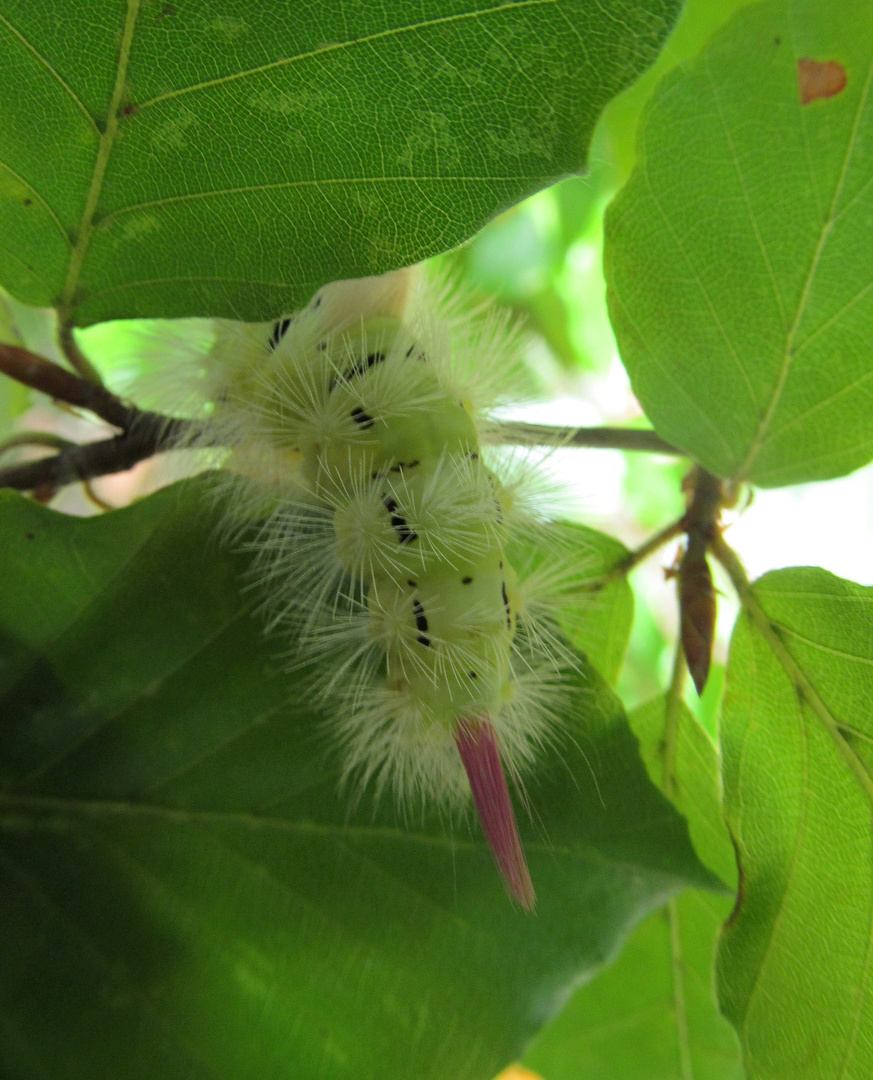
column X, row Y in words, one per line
column 477, row 745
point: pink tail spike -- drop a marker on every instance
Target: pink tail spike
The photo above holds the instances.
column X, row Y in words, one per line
column 477, row 745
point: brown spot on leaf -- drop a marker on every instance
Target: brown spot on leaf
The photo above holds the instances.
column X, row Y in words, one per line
column 819, row 79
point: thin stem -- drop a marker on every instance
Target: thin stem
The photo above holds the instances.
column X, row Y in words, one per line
column 607, row 438
column 94, row 498
column 633, row 558
column 648, row 547
column 143, row 433
column 51, row 379
column 77, row 358
column 45, row 439
column 150, row 435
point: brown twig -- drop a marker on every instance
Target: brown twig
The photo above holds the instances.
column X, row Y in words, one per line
column 143, row 434
column 149, row 435
column 648, row 547
column 50, row 378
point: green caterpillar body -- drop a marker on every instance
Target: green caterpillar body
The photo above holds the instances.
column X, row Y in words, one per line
column 387, row 537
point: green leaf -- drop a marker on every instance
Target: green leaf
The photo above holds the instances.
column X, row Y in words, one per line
column 653, row 1015
column 739, row 291
column 683, row 761
column 697, row 23
column 599, row 622
column 796, row 958
column 187, row 893
column 228, row 161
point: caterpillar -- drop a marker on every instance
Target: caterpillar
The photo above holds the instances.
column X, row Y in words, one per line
column 388, row 535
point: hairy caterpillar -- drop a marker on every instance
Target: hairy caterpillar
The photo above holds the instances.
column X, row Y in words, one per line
column 357, row 428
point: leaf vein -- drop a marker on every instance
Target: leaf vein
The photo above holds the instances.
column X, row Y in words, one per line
column 104, row 149
column 369, row 39
column 42, row 201
column 51, row 70
column 287, row 185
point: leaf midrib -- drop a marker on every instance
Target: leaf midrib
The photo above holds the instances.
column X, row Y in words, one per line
column 14, row 805
column 107, row 139
column 104, row 150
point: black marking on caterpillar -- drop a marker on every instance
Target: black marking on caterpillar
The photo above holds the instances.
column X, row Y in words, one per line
column 360, row 368
column 506, row 603
column 362, row 418
column 422, row 356
column 421, row 623
column 280, row 330
column 380, row 474
column 466, row 581
column 398, row 523
column 472, row 674
column 412, row 584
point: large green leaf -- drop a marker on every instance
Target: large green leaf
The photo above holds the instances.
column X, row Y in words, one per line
column 653, row 1014
column 182, row 159
column 796, row 959
column 739, row 284
column 187, row 894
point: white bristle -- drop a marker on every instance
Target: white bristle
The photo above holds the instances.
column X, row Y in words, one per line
column 387, row 570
